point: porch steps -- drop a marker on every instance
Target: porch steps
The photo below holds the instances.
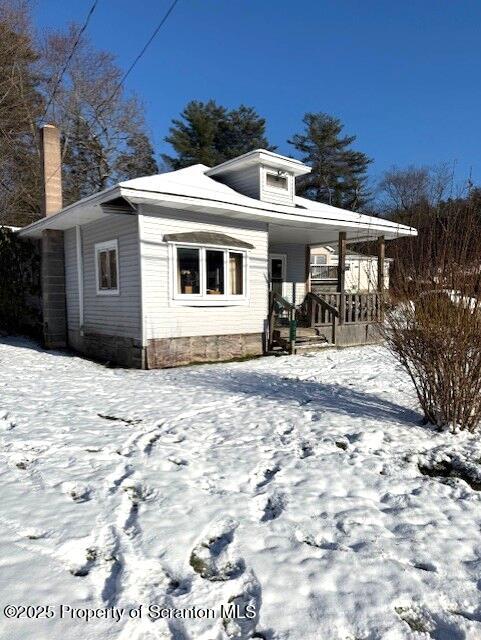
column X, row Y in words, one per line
column 307, row 339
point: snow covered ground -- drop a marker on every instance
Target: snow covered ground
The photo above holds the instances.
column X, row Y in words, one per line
column 291, row 485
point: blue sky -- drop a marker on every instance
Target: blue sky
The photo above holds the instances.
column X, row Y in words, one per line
column 403, row 76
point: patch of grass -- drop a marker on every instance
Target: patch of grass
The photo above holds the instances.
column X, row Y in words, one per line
column 412, row 619
column 448, row 469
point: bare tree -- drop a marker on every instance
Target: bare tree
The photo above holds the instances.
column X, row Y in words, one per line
column 20, row 107
column 402, row 190
column 103, row 129
column 434, row 325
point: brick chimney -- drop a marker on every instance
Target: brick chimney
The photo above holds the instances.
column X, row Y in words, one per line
column 53, row 261
column 51, row 169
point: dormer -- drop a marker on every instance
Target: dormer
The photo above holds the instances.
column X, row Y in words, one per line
column 261, row 174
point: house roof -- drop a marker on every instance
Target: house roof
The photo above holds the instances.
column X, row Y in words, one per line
column 264, row 157
column 193, row 190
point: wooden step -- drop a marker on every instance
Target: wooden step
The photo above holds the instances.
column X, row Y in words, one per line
column 302, row 332
column 310, row 347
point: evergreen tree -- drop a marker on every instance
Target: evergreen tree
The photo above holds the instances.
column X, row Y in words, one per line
column 210, row 134
column 338, row 174
column 138, row 159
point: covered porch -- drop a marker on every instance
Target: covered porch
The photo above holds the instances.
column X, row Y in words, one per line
column 300, row 319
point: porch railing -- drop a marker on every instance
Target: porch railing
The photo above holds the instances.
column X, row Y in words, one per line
column 323, row 310
column 355, row 308
column 280, row 306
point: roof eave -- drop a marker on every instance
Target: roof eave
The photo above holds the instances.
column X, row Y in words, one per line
column 76, row 210
column 289, row 215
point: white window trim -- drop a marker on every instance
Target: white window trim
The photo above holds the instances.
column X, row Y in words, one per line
column 283, row 258
column 107, row 246
column 275, row 186
column 202, row 299
column 268, row 188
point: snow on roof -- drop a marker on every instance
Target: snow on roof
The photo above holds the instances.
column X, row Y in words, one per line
column 192, row 189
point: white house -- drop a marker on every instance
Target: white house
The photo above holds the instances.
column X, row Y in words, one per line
column 177, row 267
column 361, row 271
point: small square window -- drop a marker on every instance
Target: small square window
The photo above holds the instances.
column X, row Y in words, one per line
column 107, row 267
column 277, row 181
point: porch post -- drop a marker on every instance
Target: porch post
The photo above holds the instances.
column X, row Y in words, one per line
column 341, row 276
column 308, row 268
column 381, row 255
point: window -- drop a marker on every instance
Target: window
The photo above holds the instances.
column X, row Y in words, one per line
column 236, row 273
column 276, row 180
column 107, row 268
column 214, row 272
column 323, row 272
column 209, row 274
column 188, row 271
column 318, row 259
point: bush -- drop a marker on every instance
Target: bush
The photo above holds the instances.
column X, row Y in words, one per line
column 19, row 284
column 434, row 326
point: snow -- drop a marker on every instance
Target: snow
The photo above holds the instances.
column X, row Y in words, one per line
column 290, row 485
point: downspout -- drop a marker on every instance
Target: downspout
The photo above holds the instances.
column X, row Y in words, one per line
column 80, row 278
column 142, row 326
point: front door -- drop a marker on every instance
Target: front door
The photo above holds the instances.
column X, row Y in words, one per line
column 277, row 272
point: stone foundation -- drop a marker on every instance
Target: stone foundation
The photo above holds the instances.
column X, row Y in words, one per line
column 115, row 350
column 172, row 352
column 166, row 352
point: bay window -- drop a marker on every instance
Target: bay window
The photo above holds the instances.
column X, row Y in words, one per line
column 211, row 274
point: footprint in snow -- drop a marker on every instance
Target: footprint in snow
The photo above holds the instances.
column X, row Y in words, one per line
column 247, row 598
column 269, row 507
column 99, row 558
column 212, row 557
column 305, row 450
column 264, row 475
column 6, row 421
column 77, row 491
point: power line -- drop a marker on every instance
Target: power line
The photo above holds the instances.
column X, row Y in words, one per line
column 67, row 62
column 141, row 53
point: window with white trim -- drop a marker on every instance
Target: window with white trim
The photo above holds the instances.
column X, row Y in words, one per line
column 107, row 267
column 277, row 180
column 209, row 273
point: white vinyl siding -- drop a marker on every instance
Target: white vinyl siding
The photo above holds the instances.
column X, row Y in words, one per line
column 117, row 315
column 162, row 318
column 245, row 181
column 275, row 194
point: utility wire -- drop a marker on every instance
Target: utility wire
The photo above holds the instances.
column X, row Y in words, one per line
column 141, row 53
column 67, row 62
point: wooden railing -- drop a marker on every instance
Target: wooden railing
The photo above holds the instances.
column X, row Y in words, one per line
column 323, row 310
column 278, row 304
column 355, row 308
column 320, row 313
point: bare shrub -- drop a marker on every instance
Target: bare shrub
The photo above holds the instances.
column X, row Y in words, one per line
column 433, row 321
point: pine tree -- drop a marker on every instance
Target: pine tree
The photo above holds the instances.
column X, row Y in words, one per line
column 210, row 134
column 338, row 174
column 138, row 159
